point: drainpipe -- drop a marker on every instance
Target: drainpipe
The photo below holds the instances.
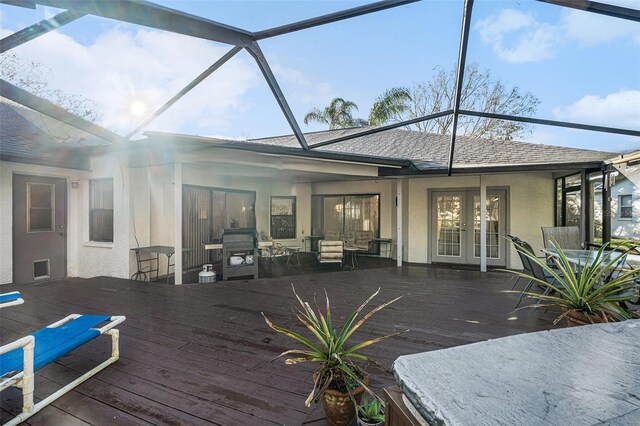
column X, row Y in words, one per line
column 399, row 222
column 177, row 194
column 483, row 224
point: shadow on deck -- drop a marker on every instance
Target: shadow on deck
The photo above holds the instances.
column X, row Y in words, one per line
column 201, row 353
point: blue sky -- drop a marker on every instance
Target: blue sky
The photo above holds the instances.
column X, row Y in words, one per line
column 583, row 67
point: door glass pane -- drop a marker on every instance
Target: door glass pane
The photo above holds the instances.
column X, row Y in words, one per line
column 449, row 218
column 41, row 199
column 573, row 208
column 493, row 226
column 240, row 210
column 332, row 213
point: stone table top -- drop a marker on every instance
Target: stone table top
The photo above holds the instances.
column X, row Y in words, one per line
column 573, row 376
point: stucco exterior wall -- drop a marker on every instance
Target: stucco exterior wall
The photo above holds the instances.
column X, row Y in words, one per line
column 530, row 206
column 7, row 170
column 98, row 258
column 626, row 227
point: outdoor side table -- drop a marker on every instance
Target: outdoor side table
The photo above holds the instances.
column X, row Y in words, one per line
column 350, row 260
column 293, row 257
column 387, row 245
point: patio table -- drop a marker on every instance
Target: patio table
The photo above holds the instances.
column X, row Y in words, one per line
column 583, row 257
column 168, row 251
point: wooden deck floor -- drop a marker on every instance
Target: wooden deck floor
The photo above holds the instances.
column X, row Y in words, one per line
column 199, row 354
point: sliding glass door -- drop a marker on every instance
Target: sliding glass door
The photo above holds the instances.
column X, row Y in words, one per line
column 206, row 212
column 339, row 215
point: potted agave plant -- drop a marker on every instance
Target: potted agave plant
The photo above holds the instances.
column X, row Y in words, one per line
column 594, row 291
column 339, row 381
column 370, row 412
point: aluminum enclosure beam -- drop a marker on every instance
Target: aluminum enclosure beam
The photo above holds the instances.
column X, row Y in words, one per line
column 50, row 109
column 555, row 123
column 255, row 51
column 382, row 128
column 230, row 54
column 330, row 18
column 38, row 29
column 154, row 16
column 462, row 60
column 600, row 8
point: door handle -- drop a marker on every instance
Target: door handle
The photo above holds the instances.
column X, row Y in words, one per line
column 61, row 234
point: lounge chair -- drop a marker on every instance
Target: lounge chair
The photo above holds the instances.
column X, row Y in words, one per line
column 10, row 299
column 21, row 358
column 330, row 252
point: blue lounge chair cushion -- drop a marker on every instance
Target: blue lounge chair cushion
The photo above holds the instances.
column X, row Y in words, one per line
column 9, row 297
column 53, row 343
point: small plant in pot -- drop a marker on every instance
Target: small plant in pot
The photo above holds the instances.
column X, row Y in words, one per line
column 592, row 292
column 340, row 380
column 370, row 412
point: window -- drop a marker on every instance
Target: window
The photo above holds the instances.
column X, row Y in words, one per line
column 101, row 210
column 626, row 207
column 41, row 199
column 283, row 217
column 342, row 215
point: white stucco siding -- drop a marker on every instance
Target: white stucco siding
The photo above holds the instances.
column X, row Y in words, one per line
column 530, row 207
column 626, row 227
column 97, row 258
column 7, row 170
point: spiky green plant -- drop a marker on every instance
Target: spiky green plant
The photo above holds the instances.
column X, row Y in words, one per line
column 588, row 288
column 336, row 359
column 370, row 410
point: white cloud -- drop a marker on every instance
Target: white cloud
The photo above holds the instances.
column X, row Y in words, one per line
column 120, row 67
column 589, row 29
column 533, row 41
column 518, row 37
column 620, row 109
column 302, row 88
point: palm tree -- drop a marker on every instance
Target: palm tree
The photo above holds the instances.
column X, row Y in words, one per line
column 392, row 104
column 337, row 115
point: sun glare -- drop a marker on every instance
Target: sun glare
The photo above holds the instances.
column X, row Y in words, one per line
column 137, row 108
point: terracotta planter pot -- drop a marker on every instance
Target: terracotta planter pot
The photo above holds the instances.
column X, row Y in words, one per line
column 339, row 407
column 575, row 318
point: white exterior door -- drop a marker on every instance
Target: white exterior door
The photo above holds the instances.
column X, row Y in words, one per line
column 455, row 227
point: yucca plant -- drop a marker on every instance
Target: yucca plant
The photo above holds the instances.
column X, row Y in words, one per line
column 370, row 411
column 592, row 288
column 336, row 359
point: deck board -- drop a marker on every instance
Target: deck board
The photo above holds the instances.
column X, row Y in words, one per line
column 197, row 354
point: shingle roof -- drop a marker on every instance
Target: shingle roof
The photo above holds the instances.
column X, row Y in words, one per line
column 21, row 140
column 431, row 151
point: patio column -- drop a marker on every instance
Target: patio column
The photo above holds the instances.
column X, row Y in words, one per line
column 585, row 202
column 483, row 224
column 177, row 194
column 399, row 222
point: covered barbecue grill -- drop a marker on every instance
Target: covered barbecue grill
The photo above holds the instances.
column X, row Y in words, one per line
column 239, row 253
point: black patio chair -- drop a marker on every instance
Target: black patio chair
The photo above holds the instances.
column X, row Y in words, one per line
column 531, row 268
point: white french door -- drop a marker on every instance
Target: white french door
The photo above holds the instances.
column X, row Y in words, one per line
column 455, row 227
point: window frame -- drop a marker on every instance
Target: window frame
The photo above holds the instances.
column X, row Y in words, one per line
column 294, row 234
column 91, row 209
column 621, row 206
